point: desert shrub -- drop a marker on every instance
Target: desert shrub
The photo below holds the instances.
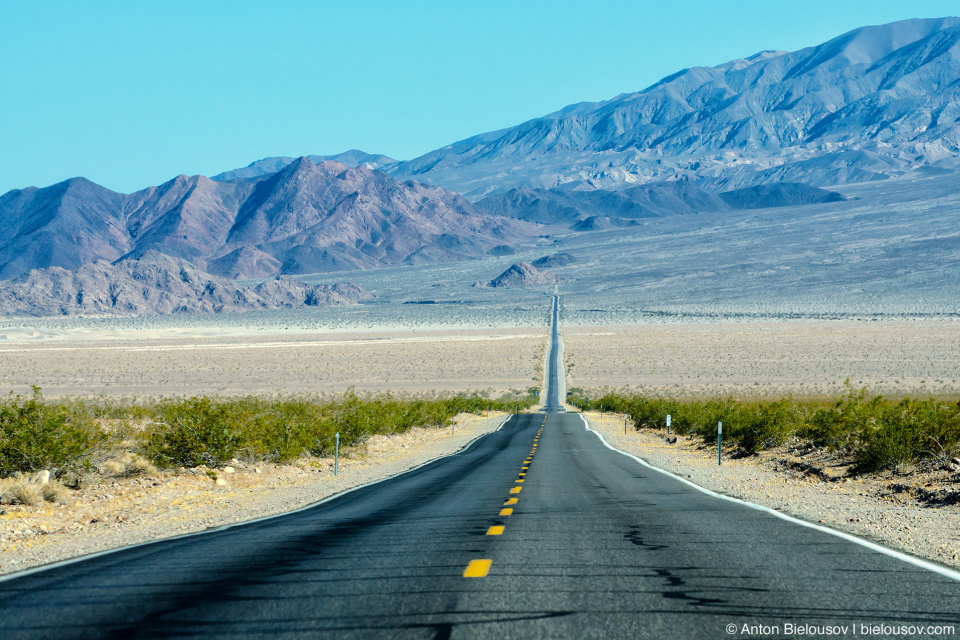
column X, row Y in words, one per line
column 19, row 490
column 203, row 431
column 761, row 426
column 53, row 491
column 37, row 435
column 193, row 432
column 875, row 433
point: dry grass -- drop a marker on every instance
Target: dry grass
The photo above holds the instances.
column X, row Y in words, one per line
column 23, row 490
column 128, row 466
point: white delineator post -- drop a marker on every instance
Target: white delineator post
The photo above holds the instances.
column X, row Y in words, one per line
column 336, row 454
column 668, row 424
column 719, row 440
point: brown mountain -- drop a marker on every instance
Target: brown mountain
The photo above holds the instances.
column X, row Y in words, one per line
column 305, row 218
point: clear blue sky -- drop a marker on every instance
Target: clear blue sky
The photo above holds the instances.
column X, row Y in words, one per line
column 131, row 93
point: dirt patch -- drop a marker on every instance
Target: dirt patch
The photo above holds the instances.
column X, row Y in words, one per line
column 111, row 510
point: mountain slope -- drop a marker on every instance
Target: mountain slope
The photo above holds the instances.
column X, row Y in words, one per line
column 65, row 225
column 305, row 218
column 590, row 210
column 156, row 284
column 873, row 103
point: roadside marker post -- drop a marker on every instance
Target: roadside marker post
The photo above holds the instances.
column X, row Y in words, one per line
column 624, row 425
column 719, row 440
column 601, row 411
column 336, row 454
column 453, row 427
column 668, row 424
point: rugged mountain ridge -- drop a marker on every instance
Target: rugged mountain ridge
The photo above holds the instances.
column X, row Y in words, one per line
column 875, row 103
column 304, row 218
column 268, row 166
column 592, row 209
column 157, row 284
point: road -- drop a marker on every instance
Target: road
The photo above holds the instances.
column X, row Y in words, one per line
column 552, row 403
column 536, row 530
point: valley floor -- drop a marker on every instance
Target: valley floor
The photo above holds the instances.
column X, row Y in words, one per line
column 150, row 364
column 768, row 359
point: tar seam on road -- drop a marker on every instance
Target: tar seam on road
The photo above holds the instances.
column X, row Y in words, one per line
column 69, row 561
column 917, row 562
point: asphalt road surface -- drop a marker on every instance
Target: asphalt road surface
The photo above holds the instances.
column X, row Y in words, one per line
column 552, row 403
column 536, row 530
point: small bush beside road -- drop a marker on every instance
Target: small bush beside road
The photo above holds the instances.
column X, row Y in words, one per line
column 69, row 436
column 874, row 433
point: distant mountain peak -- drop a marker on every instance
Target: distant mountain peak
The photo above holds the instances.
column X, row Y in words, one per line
column 881, row 91
column 269, row 166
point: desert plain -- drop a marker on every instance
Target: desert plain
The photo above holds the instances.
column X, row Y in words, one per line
column 893, row 357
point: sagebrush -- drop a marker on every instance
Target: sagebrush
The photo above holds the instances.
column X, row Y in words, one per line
column 876, row 433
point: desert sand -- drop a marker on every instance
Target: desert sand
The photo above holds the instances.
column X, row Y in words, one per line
column 745, row 359
column 767, row 359
column 145, row 365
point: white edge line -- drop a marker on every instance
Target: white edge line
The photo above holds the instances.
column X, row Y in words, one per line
column 98, row 554
column 917, row 562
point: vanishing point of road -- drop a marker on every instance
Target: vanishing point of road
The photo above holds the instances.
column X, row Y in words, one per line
column 536, row 530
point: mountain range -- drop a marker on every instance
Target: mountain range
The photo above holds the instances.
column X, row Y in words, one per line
column 774, row 129
column 305, row 218
column 875, row 103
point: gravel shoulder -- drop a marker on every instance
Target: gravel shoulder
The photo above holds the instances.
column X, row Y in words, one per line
column 883, row 510
column 117, row 512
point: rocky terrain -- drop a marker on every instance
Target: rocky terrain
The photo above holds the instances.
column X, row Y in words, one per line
column 556, row 260
column 845, row 153
column 157, row 284
column 522, row 274
column 585, row 209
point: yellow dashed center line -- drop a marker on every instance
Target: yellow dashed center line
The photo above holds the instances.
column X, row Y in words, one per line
column 495, row 530
column 477, row 569
column 519, row 479
column 516, row 490
column 507, row 511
